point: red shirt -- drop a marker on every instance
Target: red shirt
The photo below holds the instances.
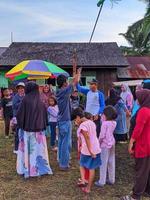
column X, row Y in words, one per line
column 141, row 133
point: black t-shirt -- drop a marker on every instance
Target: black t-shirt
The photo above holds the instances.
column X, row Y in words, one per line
column 6, row 104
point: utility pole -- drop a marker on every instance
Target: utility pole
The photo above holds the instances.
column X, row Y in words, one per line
column 11, row 37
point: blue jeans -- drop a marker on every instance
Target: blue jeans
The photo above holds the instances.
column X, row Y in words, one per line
column 52, row 133
column 64, row 143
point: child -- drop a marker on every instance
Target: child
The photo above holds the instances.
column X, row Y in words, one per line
column 86, row 174
column 52, row 119
column 7, row 110
column 107, row 144
column 16, row 102
column 90, row 149
column 88, row 115
column 74, row 100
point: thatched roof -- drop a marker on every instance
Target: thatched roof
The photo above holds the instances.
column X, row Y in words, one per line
column 88, row 54
column 2, row 50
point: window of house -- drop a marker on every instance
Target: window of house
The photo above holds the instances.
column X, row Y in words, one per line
column 84, row 80
column 40, row 81
column 89, row 78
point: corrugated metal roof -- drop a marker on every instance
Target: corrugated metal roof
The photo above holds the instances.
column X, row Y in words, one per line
column 139, row 68
column 132, row 73
column 135, row 61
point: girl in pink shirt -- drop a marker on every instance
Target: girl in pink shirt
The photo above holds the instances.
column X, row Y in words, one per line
column 86, row 174
column 107, row 144
column 90, row 148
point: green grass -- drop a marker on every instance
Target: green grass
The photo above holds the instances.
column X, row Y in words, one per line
column 61, row 185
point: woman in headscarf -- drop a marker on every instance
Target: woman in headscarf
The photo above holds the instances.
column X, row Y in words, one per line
column 46, row 93
column 139, row 147
column 32, row 157
column 113, row 98
column 121, row 128
column 134, row 113
column 127, row 96
column 136, row 105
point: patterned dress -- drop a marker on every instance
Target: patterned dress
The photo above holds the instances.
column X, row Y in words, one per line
column 32, row 158
column 121, row 128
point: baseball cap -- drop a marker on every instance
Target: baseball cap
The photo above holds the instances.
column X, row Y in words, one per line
column 93, row 81
column 20, row 84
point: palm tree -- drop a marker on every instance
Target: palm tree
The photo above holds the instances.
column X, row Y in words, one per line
column 148, row 5
column 138, row 35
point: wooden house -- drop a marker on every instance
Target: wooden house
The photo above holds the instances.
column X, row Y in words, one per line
column 98, row 60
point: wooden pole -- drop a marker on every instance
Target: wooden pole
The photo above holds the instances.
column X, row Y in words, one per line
column 74, row 62
column 96, row 22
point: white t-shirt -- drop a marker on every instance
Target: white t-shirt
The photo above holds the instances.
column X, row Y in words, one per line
column 93, row 104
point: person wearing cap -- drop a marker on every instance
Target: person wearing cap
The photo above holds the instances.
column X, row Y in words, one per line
column 146, row 84
column 17, row 99
column 95, row 103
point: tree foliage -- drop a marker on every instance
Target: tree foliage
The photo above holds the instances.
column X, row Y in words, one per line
column 138, row 35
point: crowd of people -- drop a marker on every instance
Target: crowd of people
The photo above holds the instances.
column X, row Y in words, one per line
column 35, row 112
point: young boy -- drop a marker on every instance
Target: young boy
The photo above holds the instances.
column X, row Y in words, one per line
column 64, row 118
column 17, row 100
column 7, row 111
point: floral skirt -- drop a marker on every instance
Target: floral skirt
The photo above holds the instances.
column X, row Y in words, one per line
column 32, row 157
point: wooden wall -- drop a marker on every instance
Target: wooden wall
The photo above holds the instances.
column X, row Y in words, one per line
column 105, row 78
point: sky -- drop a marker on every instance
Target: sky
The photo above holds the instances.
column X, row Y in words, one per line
column 66, row 20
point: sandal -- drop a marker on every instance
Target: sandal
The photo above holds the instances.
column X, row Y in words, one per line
column 80, row 180
column 127, row 198
column 81, row 184
column 85, row 190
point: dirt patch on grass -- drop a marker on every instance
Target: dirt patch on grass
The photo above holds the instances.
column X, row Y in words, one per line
column 61, row 185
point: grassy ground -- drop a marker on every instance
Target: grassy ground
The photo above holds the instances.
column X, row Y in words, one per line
column 61, row 185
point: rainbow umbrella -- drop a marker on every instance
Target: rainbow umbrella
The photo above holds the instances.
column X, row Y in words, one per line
column 35, row 69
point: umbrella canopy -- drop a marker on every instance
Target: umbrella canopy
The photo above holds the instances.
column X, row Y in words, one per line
column 37, row 69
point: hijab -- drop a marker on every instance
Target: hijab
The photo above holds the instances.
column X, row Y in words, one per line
column 113, row 97
column 143, row 97
column 139, row 87
column 32, row 114
column 46, row 95
column 127, row 92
